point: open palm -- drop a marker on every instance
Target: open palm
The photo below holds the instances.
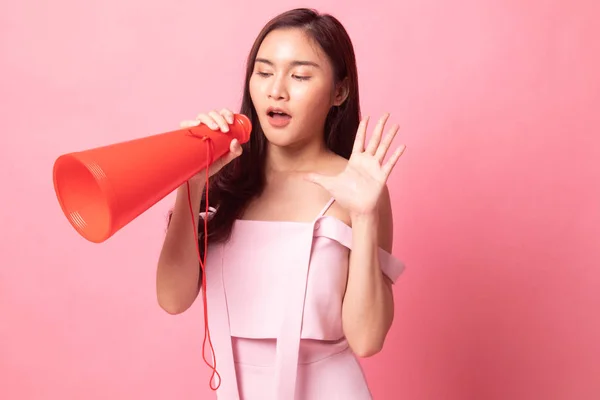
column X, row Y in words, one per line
column 360, row 185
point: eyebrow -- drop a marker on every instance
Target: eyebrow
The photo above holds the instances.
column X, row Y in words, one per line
column 293, row 63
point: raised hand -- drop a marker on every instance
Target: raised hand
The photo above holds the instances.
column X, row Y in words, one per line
column 359, row 187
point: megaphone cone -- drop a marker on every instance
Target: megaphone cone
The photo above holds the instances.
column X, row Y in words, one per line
column 103, row 189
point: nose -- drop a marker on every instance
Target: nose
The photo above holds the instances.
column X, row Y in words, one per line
column 278, row 89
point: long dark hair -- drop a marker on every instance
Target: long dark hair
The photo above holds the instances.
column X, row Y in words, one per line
column 243, row 179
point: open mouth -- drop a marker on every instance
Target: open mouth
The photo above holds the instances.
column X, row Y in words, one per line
column 278, row 114
column 278, row 118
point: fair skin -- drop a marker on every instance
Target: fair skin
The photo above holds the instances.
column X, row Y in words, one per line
column 302, row 174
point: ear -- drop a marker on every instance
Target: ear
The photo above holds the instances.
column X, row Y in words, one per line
column 342, row 90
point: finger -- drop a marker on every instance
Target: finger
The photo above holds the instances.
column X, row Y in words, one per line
column 389, row 165
column 228, row 115
column 229, row 157
column 376, row 137
column 220, row 120
column 208, row 121
column 235, row 147
column 385, row 143
column 359, row 141
column 235, row 150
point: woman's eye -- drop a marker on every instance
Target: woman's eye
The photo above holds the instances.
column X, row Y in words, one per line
column 301, row 78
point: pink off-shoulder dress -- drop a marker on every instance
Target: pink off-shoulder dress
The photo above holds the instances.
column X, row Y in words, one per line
column 274, row 297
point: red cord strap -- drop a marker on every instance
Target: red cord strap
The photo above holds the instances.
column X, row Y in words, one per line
column 203, row 261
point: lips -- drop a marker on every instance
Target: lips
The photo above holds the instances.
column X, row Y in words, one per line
column 278, row 117
column 277, row 111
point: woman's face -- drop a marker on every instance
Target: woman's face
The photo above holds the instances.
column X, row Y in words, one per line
column 292, row 88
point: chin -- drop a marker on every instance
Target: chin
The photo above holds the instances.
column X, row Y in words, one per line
column 279, row 137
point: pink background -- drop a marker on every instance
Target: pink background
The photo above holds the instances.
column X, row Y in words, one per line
column 497, row 199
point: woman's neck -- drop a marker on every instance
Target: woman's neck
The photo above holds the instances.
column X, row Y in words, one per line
column 300, row 158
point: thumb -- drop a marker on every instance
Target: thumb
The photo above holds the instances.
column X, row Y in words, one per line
column 235, row 148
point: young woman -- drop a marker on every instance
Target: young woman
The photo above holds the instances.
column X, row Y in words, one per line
column 298, row 269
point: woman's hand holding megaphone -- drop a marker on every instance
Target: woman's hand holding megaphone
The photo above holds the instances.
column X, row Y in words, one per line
column 215, row 121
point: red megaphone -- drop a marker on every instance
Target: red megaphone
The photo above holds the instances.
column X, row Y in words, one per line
column 103, row 189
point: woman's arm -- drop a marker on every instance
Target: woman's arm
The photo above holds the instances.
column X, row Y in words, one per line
column 368, row 307
column 178, row 270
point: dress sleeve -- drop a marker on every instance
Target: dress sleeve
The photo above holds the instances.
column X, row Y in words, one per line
column 334, row 229
column 391, row 266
